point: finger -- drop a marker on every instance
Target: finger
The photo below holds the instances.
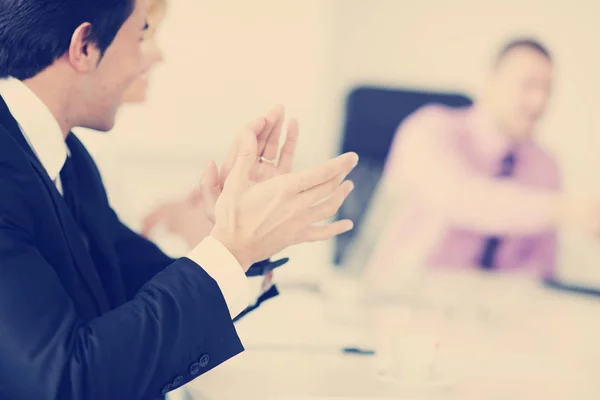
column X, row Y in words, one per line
column 271, row 140
column 195, row 195
column 257, row 126
column 263, row 135
column 286, row 159
column 328, row 208
column 339, row 166
column 149, row 223
column 211, row 189
column 153, row 219
column 319, row 193
column 326, row 232
column 246, row 159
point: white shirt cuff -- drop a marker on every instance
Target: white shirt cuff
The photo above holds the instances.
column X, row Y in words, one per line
column 221, row 265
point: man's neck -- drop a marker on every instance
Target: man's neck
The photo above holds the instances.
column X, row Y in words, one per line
column 498, row 128
column 55, row 96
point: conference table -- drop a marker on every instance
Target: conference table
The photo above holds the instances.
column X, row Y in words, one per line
column 456, row 335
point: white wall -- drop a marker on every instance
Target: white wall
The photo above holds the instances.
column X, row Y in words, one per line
column 449, row 44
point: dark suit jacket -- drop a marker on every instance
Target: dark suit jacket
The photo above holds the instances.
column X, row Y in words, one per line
column 116, row 319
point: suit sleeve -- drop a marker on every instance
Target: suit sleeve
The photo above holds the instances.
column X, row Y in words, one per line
column 140, row 259
column 175, row 328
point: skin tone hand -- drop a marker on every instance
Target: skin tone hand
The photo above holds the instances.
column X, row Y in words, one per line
column 256, row 220
column 267, row 207
column 579, row 213
column 185, row 218
column 268, row 132
column 193, row 218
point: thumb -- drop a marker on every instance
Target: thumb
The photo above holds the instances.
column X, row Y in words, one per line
column 152, row 219
column 195, row 195
column 245, row 159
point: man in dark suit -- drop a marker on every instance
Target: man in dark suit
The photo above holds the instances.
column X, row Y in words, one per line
column 88, row 308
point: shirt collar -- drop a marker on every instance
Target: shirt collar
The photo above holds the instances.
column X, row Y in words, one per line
column 38, row 125
column 489, row 138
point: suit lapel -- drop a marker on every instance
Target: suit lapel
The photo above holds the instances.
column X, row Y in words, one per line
column 70, row 230
column 93, row 207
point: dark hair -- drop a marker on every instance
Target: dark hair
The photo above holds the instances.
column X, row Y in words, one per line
column 528, row 43
column 34, row 33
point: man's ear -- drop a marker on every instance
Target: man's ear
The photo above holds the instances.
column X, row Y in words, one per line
column 83, row 54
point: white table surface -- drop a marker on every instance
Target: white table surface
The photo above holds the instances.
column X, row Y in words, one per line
column 482, row 337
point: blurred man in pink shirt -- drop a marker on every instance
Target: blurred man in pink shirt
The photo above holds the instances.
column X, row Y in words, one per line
column 472, row 187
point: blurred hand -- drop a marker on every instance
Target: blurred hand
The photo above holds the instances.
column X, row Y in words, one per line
column 185, row 218
column 193, row 218
column 581, row 214
column 269, row 163
column 256, row 220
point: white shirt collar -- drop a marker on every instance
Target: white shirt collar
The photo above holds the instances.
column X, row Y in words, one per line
column 40, row 128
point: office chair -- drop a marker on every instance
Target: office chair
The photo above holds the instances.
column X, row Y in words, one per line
column 373, row 115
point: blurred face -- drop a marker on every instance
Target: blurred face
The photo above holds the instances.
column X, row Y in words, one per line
column 519, row 91
column 103, row 89
column 137, row 91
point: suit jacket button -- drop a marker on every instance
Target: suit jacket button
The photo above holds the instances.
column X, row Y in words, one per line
column 177, row 381
column 195, row 368
column 204, row 360
column 168, row 387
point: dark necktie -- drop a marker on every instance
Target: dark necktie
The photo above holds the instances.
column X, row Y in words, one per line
column 68, row 178
column 492, row 243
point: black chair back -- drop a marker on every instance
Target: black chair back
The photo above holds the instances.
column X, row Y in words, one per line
column 373, row 115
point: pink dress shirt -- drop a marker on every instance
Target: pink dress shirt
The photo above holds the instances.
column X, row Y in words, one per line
column 444, row 166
